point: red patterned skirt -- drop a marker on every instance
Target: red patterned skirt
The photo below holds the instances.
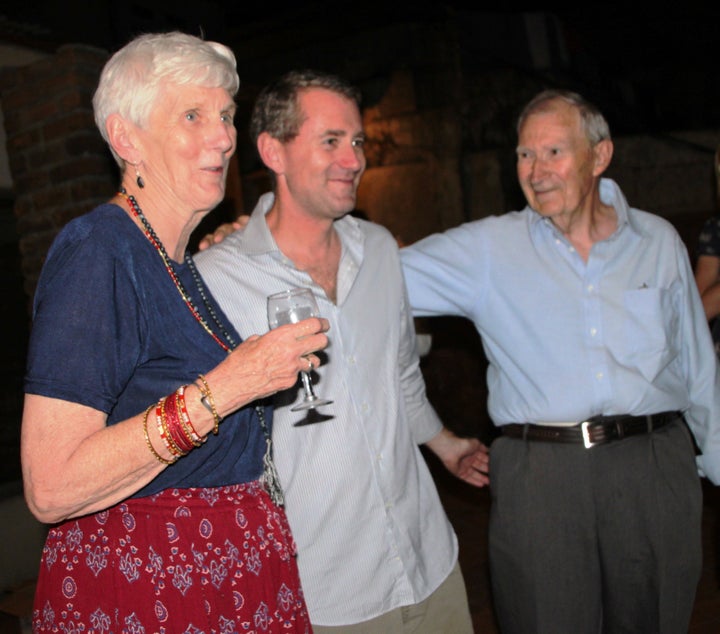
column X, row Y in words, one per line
column 189, row 561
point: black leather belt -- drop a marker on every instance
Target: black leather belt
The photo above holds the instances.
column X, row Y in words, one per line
column 597, row 430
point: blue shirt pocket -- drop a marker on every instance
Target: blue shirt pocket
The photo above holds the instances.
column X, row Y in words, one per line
column 651, row 318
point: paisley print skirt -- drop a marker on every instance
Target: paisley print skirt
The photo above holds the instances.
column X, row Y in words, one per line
column 192, row 561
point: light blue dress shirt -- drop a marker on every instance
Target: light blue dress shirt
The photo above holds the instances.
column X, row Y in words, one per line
column 371, row 531
column 623, row 333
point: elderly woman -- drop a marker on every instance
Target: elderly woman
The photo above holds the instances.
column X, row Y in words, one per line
column 144, row 435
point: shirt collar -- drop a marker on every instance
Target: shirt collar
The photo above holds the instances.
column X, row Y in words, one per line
column 610, row 194
column 257, row 236
column 258, row 240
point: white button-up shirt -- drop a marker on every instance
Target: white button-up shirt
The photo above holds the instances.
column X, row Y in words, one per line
column 371, row 532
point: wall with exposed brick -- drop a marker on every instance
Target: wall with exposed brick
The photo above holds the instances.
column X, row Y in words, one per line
column 60, row 165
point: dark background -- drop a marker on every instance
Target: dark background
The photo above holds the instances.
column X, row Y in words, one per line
column 630, row 61
column 650, row 72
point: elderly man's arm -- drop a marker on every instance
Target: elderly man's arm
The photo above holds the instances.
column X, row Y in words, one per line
column 466, row 458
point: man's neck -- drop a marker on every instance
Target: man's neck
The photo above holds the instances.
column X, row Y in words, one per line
column 584, row 229
column 311, row 243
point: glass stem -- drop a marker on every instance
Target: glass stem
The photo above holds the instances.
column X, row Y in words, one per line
column 307, row 384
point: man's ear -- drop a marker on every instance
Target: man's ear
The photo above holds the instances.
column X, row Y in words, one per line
column 603, row 152
column 122, row 139
column 271, row 152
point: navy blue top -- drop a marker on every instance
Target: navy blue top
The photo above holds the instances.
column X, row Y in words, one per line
column 112, row 332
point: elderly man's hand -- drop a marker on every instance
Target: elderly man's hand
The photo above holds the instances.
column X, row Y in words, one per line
column 222, row 232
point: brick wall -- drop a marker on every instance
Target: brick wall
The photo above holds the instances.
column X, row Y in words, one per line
column 60, row 165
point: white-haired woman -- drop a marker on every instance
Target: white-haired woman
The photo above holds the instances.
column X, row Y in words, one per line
column 144, row 437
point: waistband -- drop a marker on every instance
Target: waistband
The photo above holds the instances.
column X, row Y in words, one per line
column 597, row 430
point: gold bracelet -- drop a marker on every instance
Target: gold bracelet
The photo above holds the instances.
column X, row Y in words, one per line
column 209, row 403
column 147, row 438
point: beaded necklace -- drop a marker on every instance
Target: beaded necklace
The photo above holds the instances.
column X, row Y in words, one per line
column 155, row 241
column 270, row 477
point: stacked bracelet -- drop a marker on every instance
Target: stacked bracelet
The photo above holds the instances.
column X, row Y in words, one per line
column 172, row 424
column 174, row 427
column 158, row 457
column 208, row 401
column 185, row 422
column 164, row 429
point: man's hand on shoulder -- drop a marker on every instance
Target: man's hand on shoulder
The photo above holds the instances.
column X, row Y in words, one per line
column 222, row 232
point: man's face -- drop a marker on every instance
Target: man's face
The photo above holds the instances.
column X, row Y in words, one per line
column 322, row 165
column 556, row 165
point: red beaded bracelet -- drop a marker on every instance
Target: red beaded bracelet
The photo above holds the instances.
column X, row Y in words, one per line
column 173, row 426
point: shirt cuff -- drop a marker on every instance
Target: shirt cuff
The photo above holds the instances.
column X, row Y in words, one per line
column 425, row 428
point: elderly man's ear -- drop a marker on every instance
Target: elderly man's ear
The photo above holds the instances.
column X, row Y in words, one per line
column 603, row 155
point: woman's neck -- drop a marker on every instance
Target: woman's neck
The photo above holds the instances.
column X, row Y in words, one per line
column 168, row 225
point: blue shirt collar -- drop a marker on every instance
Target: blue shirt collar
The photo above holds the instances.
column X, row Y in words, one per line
column 610, row 194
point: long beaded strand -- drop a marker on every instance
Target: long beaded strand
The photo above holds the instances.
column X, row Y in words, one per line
column 155, row 241
column 270, row 477
column 206, row 302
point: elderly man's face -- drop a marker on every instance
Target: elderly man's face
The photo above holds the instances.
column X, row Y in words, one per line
column 556, row 165
column 187, row 145
column 322, row 165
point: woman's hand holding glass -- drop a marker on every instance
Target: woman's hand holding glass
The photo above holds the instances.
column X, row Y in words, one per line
column 290, row 307
column 264, row 364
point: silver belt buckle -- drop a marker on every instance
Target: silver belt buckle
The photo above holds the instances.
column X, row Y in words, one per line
column 585, row 429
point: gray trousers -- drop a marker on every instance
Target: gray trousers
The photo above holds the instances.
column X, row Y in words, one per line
column 595, row 540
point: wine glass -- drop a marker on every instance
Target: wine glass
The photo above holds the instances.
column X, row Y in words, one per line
column 290, row 307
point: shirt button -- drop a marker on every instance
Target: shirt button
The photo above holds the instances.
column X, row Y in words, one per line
column 599, row 376
column 593, row 332
column 590, row 288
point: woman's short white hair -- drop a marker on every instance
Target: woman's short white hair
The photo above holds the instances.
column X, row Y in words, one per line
column 133, row 77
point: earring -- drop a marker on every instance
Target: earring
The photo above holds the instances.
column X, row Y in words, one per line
column 139, row 179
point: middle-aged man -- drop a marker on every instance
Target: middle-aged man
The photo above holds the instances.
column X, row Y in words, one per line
column 598, row 348
column 375, row 550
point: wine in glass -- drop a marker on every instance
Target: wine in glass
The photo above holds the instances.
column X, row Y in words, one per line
column 290, row 307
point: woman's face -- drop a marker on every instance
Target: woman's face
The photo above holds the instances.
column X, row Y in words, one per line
column 187, row 144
